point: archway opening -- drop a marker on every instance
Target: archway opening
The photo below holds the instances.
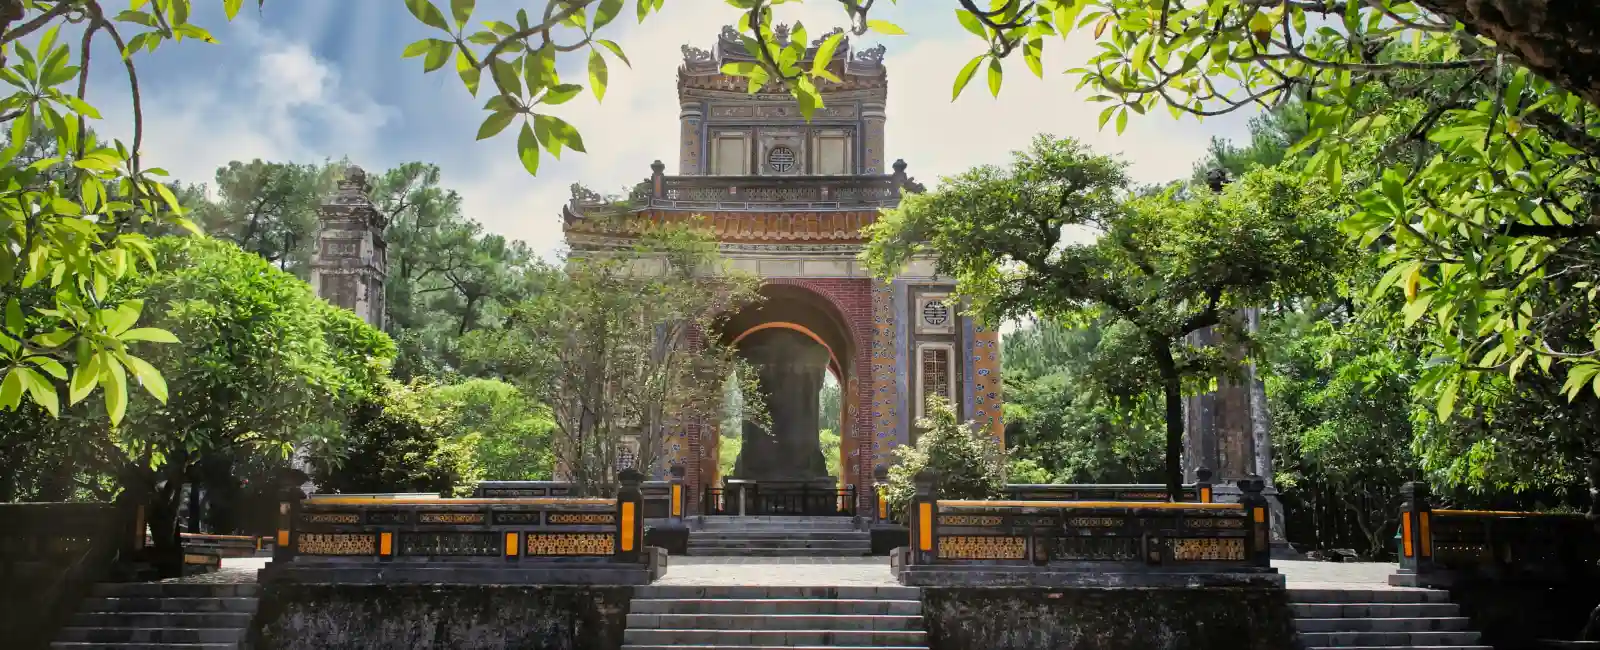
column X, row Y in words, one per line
column 800, row 347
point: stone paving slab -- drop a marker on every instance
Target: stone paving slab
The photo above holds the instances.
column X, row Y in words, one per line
column 869, row 571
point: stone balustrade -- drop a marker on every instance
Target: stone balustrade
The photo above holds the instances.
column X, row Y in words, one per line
column 540, row 540
column 1083, row 543
column 1439, row 548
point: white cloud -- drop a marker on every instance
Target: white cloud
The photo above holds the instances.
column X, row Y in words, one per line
column 275, row 104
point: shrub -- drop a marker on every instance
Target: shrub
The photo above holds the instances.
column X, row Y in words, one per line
column 971, row 465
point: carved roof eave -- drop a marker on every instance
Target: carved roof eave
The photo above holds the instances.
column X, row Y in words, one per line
column 730, row 48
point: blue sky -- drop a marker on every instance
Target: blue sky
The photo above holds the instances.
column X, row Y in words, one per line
column 307, row 80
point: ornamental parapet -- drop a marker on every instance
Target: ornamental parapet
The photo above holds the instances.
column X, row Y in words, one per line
column 536, row 540
column 1442, row 548
column 1087, row 543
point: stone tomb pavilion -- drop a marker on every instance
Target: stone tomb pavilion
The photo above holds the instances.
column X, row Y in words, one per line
column 788, row 199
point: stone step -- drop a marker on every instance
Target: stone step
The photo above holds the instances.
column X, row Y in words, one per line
column 86, row 645
column 153, row 604
column 174, row 590
column 1387, row 639
column 1453, row 624
column 737, row 542
column 771, row 647
column 780, row 552
column 797, row 606
column 745, row 592
column 162, row 619
column 670, row 637
column 775, row 622
column 1368, row 596
column 1374, row 610
column 787, row 535
column 394, row 573
column 152, row 635
column 1402, row 647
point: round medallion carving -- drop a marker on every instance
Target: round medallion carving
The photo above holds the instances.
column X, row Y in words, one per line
column 781, row 159
column 935, row 313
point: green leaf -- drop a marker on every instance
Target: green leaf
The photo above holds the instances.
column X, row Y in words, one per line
column 418, row 48
column 994, row 77
column 42, row 390
column 597, row 74
column 494, row 124
column 149, row 377
column 11, row 389
column 563, row 133
column 972, row 24
column 114, row 381
column 505, row 77
column 528, row 149
column 1414, row 310
column 461, row 10
column 615, row 49
column 14, row 317
column 606, row 12
column 825, row 53
column 885, row 27
column 54, row 368
column 470, row 74
column 231, row 8
column 84, row 378
column 427, row 13
column 151, row 334
column 438, row 55
column 560, row 94
column 965, row 76
column 1122, row 120
column 1447, row 398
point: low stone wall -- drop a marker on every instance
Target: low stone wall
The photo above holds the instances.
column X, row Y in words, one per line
column 1030, row 618
column 445, row 617
column 1519, row 615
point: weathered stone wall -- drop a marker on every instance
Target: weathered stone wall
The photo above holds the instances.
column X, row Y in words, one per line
column 445, row 617
column 1026, row 618
column 1515, row 616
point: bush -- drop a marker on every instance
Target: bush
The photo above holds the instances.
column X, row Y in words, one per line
column 970, row 464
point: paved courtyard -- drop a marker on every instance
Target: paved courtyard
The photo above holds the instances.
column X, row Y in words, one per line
column 871, row 571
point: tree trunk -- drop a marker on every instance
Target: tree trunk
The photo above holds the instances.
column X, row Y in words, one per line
column 1172, row 392
column 1554, row 38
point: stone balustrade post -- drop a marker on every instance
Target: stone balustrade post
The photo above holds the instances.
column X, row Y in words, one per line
column 880, row 495
column 1416, row 538
column 677, row 505
column 289, row 498
column 1202, row 485
column 630, row 516
column 925, row 518
column 1258, row 521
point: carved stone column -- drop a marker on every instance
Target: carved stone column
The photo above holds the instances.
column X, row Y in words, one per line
column 350, row 261
column 873, row 119
column 692, row 147
column 790, row 368
column 1230, row 429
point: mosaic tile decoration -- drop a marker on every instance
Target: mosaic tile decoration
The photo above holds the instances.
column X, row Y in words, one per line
column 885, row 386
column 985, row 381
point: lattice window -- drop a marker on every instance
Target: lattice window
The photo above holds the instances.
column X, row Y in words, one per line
column 934, row 374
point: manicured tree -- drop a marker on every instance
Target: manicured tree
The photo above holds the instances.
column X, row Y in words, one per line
column 262, row 363
column 1056, row 234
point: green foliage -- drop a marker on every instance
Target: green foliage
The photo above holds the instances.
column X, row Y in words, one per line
column 970, row 464
column 1071, row 414
column 267, row 208
column 509, row 435
column 1057, row 235
column 829, row 441
column 396, row 442
column 72, row 222
column 605, row 345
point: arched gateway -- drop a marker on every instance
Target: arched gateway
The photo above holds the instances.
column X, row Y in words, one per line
column 787, row 199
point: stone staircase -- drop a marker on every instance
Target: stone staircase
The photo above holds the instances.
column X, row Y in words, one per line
column 1390, row 619
column 779, row 537
column 797, row 618
column 161, row 616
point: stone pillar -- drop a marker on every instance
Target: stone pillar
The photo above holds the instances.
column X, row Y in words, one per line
column 350, row 261
column 873, row 118
column 691, row 156
column 790, row 368
column 1230, row 430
